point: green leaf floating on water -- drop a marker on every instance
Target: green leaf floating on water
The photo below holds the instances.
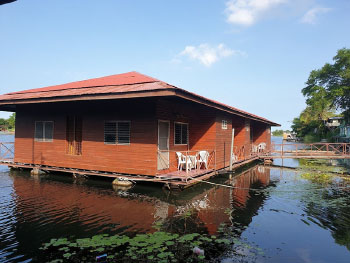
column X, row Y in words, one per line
column 67, row 255
column 154, row 247
column 223, row 240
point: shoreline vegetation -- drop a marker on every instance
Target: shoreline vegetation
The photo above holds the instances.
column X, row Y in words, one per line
column 7, row 126
column 8, row 132
column 278, row 133
column 327, row 93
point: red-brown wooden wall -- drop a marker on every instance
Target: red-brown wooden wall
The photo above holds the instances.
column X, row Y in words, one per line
column 140, row 157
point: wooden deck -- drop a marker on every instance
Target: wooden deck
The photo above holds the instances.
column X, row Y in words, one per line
column 183, row 179
column 177, row 179
column 309, row 151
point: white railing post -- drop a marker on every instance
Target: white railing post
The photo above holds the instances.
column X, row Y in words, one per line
column 231, row 151
column 187, row 163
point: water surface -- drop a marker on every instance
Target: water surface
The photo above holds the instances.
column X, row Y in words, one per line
column 290, row 217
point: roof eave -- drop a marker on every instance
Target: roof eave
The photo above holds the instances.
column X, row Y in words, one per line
column 133, row 94
column 171, row 91
column 190, row 96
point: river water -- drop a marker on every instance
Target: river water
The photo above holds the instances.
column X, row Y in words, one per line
column 296, row 218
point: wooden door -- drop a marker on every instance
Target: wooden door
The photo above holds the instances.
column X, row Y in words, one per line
column 74, row 135
column 163, row 145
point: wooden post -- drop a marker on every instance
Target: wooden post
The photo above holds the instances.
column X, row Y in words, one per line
column 215, row 159
column 224, row 155
column 231, row 152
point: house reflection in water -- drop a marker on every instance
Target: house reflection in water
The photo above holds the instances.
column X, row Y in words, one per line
column 52, row 206
column 218, row 205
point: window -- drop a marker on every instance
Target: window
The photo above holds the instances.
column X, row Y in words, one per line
column 44, row 131
column 117, row 132
column 224, row 124
column 251, row 134
column 74, row 135
column 110, row 132
column 181, row 133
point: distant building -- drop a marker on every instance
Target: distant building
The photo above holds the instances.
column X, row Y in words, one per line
column 334, row 122
column 290, row 136
column 344, row 132
column 3, row 128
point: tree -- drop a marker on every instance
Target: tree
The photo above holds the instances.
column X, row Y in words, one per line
column 3, row 122
column 311, row 120
column 277, row 133
column 11, row 121
column 332, row 82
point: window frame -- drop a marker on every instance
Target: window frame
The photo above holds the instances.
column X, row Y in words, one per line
column 116, row 132
column 44, row 133
column 188, row 135
column 224, row 124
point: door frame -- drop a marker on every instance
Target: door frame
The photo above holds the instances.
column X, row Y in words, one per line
column 168, row 121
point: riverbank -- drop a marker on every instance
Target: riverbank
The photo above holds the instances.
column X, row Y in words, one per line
column 7, row 132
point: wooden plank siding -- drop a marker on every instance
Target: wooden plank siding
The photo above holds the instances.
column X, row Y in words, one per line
column 261, row 133
column 241, row 136
column 137, row 158
column 223, row 141
column 201, row 126
column 205, row 132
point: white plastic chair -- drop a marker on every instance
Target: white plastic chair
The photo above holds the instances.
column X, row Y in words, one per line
column 234, row 158
column 181, row 160
column 261, row 147
column 203, row 157
column 254, row 148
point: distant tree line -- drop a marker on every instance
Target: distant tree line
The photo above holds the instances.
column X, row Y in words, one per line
column 327, row 93
column 8, row 124
column 279, row 133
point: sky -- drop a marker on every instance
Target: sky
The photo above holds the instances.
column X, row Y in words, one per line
column 255, row 55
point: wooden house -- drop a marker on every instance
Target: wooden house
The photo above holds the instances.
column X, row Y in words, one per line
column 129, row 124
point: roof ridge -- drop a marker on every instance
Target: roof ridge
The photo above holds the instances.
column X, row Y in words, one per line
column 69, row 84
column 88, row 87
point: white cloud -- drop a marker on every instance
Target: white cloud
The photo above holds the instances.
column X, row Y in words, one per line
column 310, row 16
column 247, row 12
column 207, row 55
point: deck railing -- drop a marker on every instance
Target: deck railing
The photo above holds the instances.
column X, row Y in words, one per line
column 311, row 149
column 239, row 152
column 7, row 151
column 245, row 152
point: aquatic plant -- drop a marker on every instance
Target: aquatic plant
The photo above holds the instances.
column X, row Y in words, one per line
column 156, row 247
column 321, row 178
column 321, row 165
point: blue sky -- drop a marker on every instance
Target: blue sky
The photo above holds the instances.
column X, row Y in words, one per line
column 252, row 54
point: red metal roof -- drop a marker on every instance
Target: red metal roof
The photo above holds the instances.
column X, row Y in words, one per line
column 113, row 80
column 116, row 84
